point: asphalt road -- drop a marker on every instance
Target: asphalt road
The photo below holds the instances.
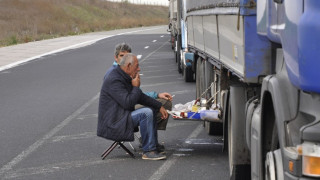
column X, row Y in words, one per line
column 48, row 118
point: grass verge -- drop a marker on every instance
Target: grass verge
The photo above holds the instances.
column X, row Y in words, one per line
column 23, row 21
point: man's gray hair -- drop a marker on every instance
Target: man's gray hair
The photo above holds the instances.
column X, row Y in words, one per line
column 126, row 59
column 121, row 48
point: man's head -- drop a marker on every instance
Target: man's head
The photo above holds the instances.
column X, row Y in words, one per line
column 130, row 65
column 121, row 50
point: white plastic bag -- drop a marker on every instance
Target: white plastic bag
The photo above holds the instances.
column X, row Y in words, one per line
column 184, row 107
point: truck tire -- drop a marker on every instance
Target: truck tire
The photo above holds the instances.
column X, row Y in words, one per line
column 225, row 120
column 178, row 57
column 199, row 78
column 202, row 80
column 188, row 74
column 208, row 77
column 178, row 53
column 172, row 42
column 175, row 47
column 239, row 156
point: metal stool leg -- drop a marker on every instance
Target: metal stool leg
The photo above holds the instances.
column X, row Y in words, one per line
column 105, row 154
column 126, row 149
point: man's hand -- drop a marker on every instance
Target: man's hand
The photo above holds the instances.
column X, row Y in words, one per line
column 163, row 112
column 136, row 81
column 165, row 96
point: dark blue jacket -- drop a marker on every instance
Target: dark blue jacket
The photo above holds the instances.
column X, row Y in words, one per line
column 117, row 100
column 152, row 94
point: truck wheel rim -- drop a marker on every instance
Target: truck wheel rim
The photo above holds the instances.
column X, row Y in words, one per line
column 270, row 173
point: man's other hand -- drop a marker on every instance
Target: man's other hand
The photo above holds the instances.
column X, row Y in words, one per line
column 165, row 96
column 164, row 113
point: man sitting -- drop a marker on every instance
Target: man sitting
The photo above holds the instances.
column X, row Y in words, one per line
column 164, row 98
column 117, row 117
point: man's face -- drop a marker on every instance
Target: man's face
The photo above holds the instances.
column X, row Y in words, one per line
column 120, row 55
column 133, row 69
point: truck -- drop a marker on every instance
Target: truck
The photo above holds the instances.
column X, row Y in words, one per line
column 177, row 29
column 258, row 61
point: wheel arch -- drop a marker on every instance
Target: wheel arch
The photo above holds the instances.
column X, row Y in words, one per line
column 278, row 105
column 279, row 95
column 268, row 123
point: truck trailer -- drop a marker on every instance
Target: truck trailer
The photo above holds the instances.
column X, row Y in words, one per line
column 258, row 61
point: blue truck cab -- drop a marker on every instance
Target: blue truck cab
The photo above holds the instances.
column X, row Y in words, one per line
column 293, row 27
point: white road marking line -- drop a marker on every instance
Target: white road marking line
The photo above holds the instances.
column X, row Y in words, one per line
column 168, row 163
column 51, row 52
column 51, row 168
column 181, row 155
column 185, row 149
column 7, row 167
column 8, row 66
column 152, row 52
column 196, row 131
column 162, row 36
column 164, row 168
column 87, row 116
column 74, row 137
column 139, row 56
column 154, row 41
column 146, row 47
column 5, row 72
column 171, row 125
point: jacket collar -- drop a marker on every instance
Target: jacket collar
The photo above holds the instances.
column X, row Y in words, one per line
column 126, row 77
